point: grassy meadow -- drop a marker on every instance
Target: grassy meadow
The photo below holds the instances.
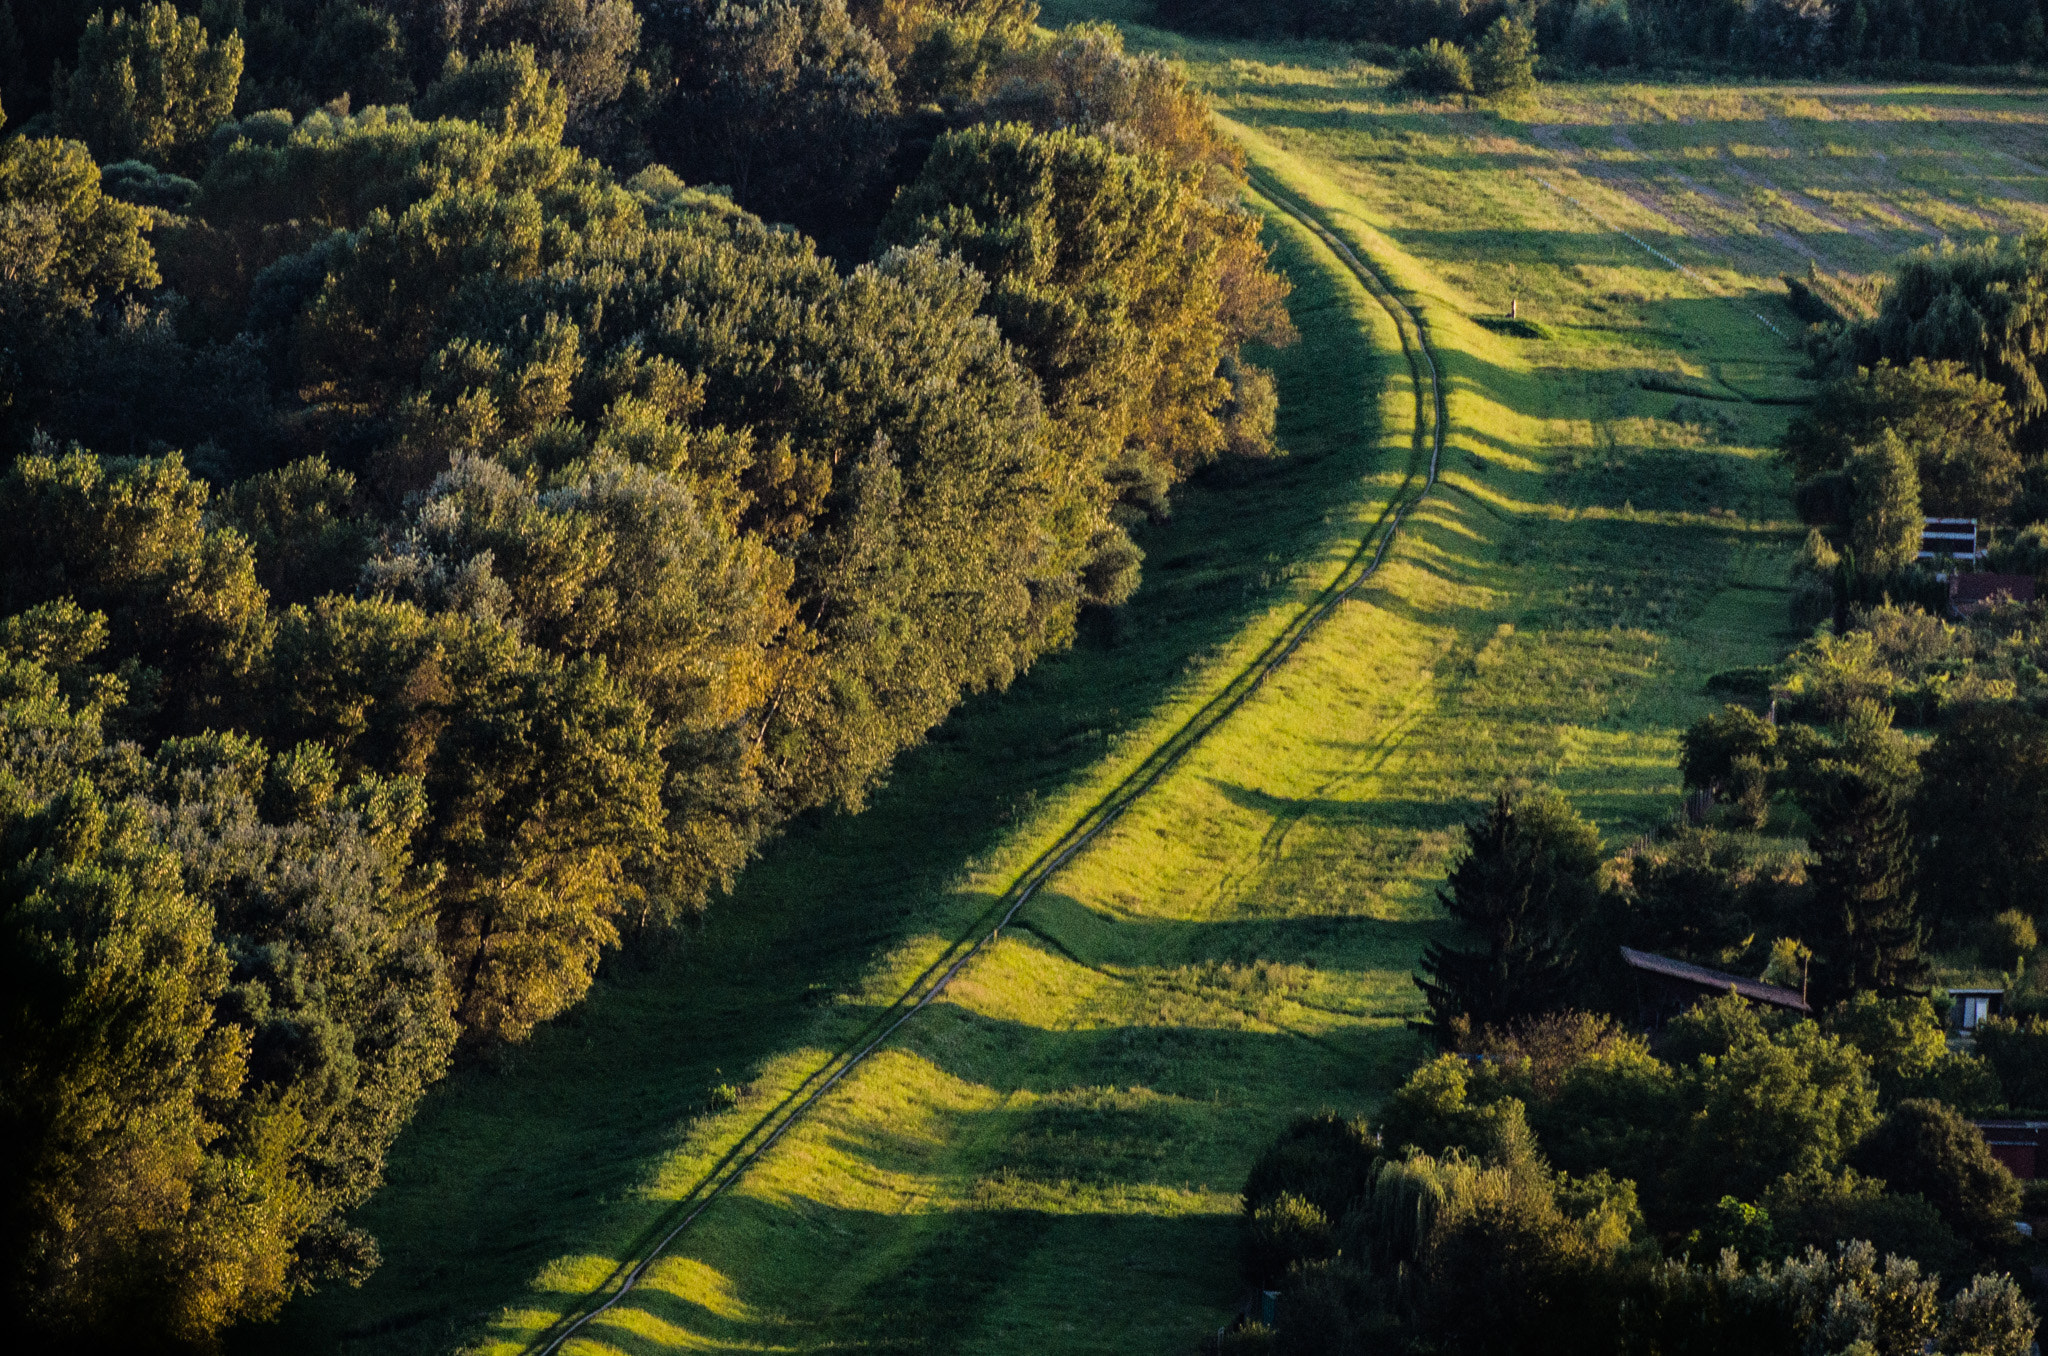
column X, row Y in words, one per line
column 1048, row 1158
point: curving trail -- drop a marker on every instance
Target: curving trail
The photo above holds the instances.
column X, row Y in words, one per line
column 1431, row 422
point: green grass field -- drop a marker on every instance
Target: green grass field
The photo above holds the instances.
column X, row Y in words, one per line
column 1048, row 1158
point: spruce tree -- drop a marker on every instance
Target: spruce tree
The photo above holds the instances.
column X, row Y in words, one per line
column 1522, row 889
column 1867, row 928
column 1504, row 60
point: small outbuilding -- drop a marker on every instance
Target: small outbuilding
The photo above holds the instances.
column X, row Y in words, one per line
column 1972, row 1006
column 2017, row 1144
column 1953, row 538
column 1667, row 987
column 1969, row 593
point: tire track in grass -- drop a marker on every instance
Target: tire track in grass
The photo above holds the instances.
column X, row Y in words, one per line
column 1431, row 420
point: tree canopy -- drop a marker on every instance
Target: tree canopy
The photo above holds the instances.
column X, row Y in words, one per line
column 458, row 517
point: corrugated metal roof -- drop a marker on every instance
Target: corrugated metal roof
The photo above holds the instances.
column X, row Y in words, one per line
column 1754, row 989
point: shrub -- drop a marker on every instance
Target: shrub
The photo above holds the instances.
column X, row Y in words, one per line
column 1282, row 1232
column 1928, row 1149
column 1323, row 1159
column 2018, row 1053
column 1437, row 67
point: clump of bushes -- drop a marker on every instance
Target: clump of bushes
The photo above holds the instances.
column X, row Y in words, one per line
column 1437, row 67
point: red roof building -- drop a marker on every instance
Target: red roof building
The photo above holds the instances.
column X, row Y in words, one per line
column 1968, row 593
column 2018, row 1145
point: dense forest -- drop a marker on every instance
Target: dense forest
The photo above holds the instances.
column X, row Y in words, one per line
column 471, row 474
column 1780, row 36
column 1868, row 815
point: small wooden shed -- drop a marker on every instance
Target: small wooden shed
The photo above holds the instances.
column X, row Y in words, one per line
column 1667, row 987
column 1973, row 1006
column 2018, row 1145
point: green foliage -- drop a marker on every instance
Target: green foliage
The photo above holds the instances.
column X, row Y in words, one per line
column 1487, row 1251
column 1977, row 307
column 1695, row 896
column 68, row 245
column 145, row 185
column 340, row 52
column 949, row 51
column 1733, row 753
column 1924, row 669
column 2017, row 1051
column 1433, row 1113
column 1885, row 520
column 1437, row 67
column 1659, row 34
column 1523, row 888
column 587, row 46
column 300, row 521
column 1856, row 790
column 129, row 538
column 789, row 103
column 1504, row 60
column 1100, row 274
column 1283, row 1233
column 225, row 1001
column 1925, row 1148
column 114, row 1206
column 506, row 91
column 1323, row 1160
column 513, row 747
column 1956, row 424
column 1981, row 816
column 1909, row 1055
column 1822, row 1210
column 1791, row 1104
column 149, row 86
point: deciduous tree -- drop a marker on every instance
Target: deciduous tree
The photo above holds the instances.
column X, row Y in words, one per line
column 150, row 85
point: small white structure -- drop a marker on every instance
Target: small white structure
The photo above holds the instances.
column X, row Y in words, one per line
column 1974, row 1005
column 1956, row 537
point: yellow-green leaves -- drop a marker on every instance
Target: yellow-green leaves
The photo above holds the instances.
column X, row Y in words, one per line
column 149, row 85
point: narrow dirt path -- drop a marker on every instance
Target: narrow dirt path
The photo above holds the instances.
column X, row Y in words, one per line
column 1431, row 421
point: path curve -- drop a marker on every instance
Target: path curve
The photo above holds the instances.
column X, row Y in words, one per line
column 1432, row 418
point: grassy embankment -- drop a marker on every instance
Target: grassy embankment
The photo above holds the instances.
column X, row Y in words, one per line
column 1047, row 1160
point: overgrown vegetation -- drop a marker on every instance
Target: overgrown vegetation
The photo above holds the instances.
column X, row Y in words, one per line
column 1576, row 1192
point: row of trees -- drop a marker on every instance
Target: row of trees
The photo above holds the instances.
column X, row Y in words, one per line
column 1773, row 35
column 1576, row 1191
column 445, row 541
